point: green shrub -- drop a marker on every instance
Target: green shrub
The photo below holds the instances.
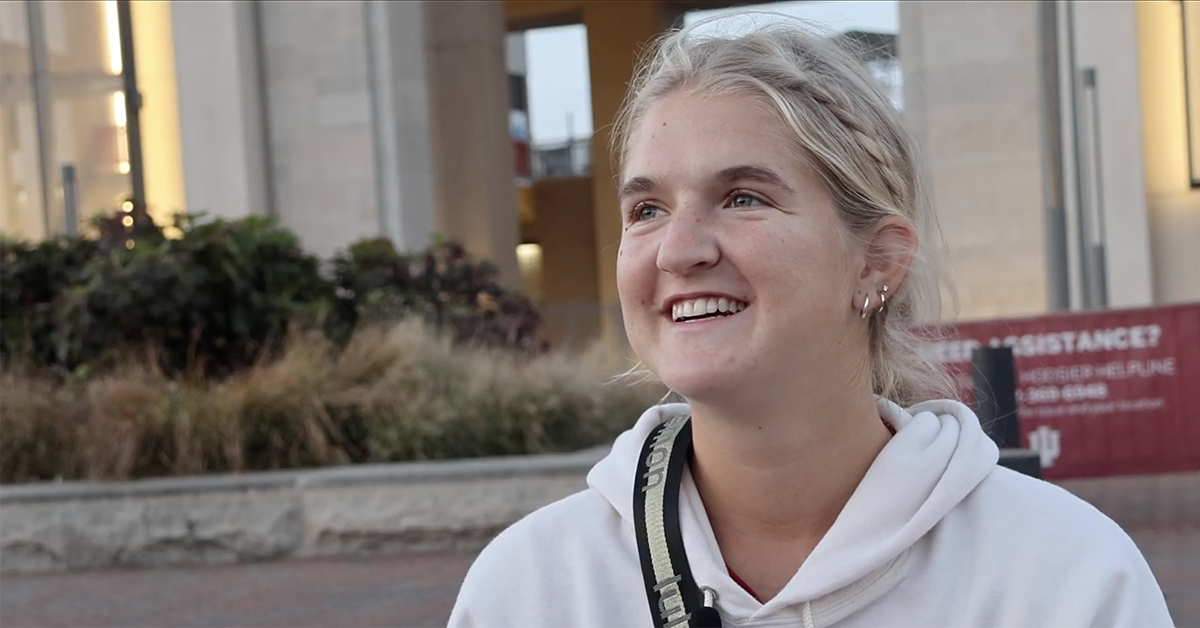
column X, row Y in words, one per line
column 225, row 293
column 217, row 299
column 442, row 285
column 31, row 278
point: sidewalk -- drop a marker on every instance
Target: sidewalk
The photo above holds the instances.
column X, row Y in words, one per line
column 1161, row 513
column 394, row 591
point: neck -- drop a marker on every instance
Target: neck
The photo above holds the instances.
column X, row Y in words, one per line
column 774, row 479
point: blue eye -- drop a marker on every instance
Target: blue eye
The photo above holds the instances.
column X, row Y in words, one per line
column 743, row 199
column 645, row 212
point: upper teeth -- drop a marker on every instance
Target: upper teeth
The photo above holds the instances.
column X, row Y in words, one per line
column 701, row 307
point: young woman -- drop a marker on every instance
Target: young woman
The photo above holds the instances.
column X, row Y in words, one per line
column 770, row 267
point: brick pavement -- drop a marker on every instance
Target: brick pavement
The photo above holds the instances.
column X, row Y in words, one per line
column 413, row 590
column 1161, row 513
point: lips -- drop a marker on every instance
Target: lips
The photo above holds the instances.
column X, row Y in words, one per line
column 705, row 307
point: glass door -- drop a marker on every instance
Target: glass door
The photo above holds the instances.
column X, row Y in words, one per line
column 22, row 213
column 64, row 152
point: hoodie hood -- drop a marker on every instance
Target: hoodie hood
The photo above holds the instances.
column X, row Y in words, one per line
column 938, row 455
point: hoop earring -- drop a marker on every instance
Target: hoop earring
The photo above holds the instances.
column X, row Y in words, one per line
column 882, row 299
column 865, row 306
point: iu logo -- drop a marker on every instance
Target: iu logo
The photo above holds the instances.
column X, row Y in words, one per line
column 1048, row 443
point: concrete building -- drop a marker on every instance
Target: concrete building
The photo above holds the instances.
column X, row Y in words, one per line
column 1101, row 138
column 1055, row 134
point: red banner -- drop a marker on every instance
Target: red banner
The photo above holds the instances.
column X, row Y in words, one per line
column 1098, row 393
column 522, row 162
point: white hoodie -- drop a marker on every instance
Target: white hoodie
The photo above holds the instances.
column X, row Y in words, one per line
column 935, row 535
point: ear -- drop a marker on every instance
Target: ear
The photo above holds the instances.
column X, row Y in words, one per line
column 891, row 247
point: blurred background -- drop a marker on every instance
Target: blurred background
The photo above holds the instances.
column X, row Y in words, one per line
column 233, row 231
column 1061, row 139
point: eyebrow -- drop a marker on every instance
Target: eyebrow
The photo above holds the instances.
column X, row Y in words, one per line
column 760, row 174
column 637, row 185
column 728, row 176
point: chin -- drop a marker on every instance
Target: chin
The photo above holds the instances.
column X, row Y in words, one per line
column 706, row 386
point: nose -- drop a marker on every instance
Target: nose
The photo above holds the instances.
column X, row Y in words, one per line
column 689, row 244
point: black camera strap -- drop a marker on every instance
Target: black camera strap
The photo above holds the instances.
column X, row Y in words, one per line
column 674, row 598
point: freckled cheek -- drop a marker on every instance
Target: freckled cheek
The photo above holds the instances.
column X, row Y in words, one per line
column 632, row 252
column 781, row 262
column 636, row 270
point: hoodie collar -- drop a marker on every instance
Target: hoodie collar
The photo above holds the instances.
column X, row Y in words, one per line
column 938, row 455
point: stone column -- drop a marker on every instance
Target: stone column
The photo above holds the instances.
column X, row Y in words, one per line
column 220, row 111
column 401, row 113
column 440, row 111
column 474, row 191
column 323, row 128
column 971, row 96
column 381, row 118
column 617, row 32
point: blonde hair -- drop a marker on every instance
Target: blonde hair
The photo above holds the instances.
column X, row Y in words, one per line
column 844, row 127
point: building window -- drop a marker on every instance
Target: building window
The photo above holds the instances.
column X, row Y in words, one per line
column 1191, row 83
column 63, row 147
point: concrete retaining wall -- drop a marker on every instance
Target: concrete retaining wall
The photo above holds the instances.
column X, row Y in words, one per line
column 376, row 509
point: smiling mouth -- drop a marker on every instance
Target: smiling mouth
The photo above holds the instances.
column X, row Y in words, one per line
column 705, row 308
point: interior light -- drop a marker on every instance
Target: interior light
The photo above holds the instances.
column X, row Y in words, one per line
column 529, row 253
column 113, row 33
column 127, row 206
column 122, row 139
column 529, row 263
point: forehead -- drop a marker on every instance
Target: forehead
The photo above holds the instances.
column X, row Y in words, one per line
column 687, row 132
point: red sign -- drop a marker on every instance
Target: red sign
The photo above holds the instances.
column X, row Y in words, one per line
column 1099, row 393
column 522, row 164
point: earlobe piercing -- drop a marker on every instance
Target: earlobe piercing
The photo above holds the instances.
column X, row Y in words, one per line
column 866, row 306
